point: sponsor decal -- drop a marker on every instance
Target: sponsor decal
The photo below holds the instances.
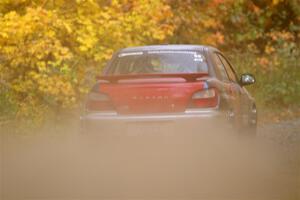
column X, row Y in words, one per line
column 172, row 52
column 130, row 54
column 150, row 97
column 205, row 86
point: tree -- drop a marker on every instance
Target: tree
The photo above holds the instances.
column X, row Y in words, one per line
column 51, row 50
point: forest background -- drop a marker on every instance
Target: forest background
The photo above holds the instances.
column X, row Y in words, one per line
column 51, row 50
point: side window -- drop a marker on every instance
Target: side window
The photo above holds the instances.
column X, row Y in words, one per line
column 230, row 72
column 220, row 68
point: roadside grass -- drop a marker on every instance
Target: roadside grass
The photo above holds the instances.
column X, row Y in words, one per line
column 277, row 87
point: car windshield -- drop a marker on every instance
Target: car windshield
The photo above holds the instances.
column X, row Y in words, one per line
column 159, row 62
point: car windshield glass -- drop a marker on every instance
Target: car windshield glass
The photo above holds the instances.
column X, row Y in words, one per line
column 162, row 62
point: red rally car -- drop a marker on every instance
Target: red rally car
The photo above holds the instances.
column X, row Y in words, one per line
column 182, row 84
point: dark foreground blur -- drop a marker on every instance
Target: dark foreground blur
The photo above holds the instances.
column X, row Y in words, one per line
column 150, row 163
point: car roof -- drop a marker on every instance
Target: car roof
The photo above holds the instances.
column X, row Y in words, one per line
column 168, row 47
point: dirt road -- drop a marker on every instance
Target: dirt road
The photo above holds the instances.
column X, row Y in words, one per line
column 286, row 137
column 169, row 165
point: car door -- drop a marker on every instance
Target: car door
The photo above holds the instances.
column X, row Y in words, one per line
column 239, row 90
column 230, row 93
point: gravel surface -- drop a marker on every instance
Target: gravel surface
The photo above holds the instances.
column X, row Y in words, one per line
column 286, row 135
column 287, row 132
column 68, row 167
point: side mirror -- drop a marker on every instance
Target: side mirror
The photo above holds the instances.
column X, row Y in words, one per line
column 247, row 79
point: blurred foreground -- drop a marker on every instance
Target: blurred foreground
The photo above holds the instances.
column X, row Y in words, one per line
column 152, row 163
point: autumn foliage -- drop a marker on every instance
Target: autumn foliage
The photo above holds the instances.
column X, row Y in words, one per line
column 51, row 50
